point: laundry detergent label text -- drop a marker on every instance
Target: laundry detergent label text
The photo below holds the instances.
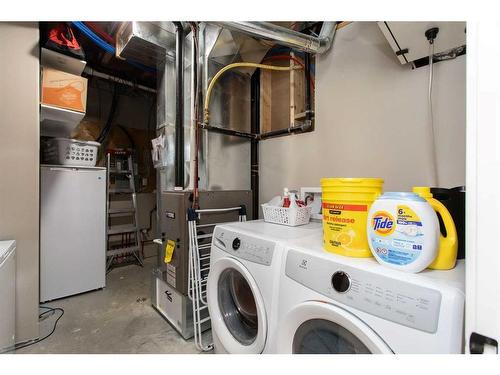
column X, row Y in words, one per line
column 344, row 225
column 397, row 239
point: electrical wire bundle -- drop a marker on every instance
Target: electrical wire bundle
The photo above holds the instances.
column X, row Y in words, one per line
column 107, row 127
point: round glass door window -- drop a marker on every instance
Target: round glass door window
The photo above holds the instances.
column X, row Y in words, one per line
column 237, row 306
column 319, row 336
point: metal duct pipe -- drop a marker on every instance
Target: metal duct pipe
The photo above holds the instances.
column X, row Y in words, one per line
column 179, row 105
column 195, row 105
column 193, row 126
column 286, row 37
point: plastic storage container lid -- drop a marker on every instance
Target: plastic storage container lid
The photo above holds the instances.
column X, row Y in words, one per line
column 402, row 196
column 369, row 181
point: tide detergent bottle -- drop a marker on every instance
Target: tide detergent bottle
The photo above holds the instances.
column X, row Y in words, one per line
column 403, row 231
column 448, row 245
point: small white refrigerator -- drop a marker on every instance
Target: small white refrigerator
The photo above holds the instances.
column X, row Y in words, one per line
column 72, row 230
column 7, row 295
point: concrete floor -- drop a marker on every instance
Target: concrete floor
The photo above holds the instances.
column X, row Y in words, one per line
column 117, row 319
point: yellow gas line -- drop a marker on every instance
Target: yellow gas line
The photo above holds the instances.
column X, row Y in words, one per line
column 238, row 65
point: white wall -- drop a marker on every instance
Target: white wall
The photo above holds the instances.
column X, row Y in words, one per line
column 19, row 164
column 372, row 120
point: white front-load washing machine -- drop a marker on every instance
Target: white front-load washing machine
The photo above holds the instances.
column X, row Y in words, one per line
column 245, row 264
column 330, row 303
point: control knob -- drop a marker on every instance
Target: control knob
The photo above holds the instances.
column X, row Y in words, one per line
column 341, row 281
column 236, row 243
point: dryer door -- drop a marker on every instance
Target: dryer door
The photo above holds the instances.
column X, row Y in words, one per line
column 322, row 328
column 236, row 308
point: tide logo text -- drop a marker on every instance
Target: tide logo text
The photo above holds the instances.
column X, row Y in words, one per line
column 383, row 223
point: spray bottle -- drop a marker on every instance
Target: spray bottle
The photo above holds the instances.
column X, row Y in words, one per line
column 286, row 198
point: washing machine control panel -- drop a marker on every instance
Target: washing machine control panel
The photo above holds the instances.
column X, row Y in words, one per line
column 250, row 248
column 392, row 299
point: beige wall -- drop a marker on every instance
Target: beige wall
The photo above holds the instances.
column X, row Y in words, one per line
column 19, row 143
column 372, row 120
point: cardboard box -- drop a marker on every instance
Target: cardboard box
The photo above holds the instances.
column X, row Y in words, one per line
column 63, row 90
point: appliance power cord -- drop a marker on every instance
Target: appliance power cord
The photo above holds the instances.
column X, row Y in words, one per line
column 51, row 310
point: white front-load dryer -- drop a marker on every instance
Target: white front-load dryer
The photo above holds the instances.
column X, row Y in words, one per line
column 242, row 287
column 330, row 303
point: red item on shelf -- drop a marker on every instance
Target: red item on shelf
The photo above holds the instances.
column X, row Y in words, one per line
column 300, row 203
column 286, row 202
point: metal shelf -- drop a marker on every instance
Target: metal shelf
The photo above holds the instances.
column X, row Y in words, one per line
column 59, row 61
column 116, row 211
column 120, row 191
column 58, row 122
column 117, row 171
column 122, row 250
column 119, row 229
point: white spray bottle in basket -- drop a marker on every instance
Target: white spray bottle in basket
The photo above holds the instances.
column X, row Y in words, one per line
column 288, row 211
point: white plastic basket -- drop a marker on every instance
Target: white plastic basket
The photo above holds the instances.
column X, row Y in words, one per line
column 292, row 216
column 64, row 151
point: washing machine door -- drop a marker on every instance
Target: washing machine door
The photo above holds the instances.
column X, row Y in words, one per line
column 322, row 328
column 236, row 308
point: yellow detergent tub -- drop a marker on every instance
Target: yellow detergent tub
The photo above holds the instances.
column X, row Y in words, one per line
column 346, row 202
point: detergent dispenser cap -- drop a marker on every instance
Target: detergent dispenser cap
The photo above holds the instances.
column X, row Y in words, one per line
column 423, row 191
column 402, row 196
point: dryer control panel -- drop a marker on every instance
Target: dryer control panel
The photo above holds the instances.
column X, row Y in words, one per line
column 241, row 246
column 399, row 301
